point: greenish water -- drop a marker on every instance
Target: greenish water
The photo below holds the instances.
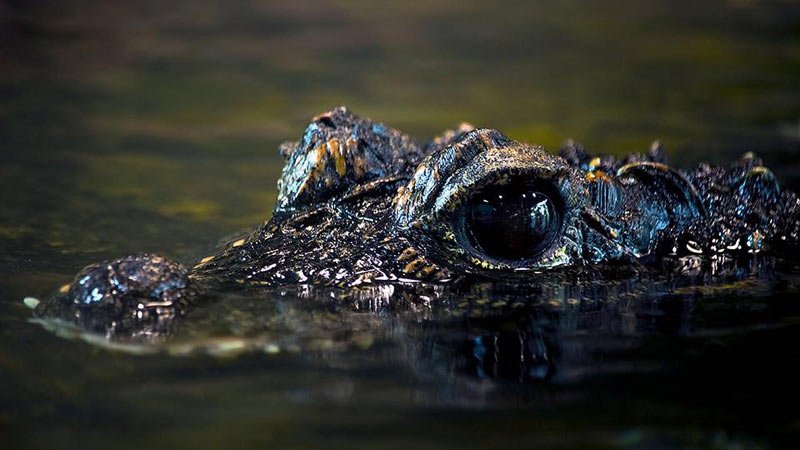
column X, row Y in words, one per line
column 154, row 126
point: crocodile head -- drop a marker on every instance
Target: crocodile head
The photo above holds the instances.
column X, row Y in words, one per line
column 361, row 204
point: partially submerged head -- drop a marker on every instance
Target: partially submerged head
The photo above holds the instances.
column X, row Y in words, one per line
column 361, row 204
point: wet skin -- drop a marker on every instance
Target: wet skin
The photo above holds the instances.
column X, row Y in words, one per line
column 361, row 204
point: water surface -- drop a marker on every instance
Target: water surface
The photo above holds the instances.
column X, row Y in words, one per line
column 153, row 127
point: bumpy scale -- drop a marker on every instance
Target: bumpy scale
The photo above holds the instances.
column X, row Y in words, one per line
column 361, row 203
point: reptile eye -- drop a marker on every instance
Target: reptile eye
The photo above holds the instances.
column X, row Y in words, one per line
column 512, row 222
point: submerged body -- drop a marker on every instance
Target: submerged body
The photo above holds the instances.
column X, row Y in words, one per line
column 361, row 204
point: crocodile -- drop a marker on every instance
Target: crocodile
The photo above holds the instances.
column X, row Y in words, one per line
column 362, row 204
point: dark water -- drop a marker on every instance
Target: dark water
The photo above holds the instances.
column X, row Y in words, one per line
column 154, row 126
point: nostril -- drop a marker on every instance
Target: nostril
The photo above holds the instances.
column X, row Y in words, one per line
column 135, row 291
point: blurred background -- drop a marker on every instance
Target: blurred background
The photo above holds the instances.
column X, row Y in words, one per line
column 169, row 115
column 153, row 126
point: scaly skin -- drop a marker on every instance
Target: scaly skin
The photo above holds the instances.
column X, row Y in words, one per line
column 360, row 203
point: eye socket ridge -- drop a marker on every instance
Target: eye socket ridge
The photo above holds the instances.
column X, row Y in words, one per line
column 512, row 222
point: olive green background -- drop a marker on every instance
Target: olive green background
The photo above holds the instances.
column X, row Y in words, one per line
column 154, row 126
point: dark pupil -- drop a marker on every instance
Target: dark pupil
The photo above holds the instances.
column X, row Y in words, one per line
column 511, row 222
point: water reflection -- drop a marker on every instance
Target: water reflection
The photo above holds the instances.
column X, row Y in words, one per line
column 557, row 328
